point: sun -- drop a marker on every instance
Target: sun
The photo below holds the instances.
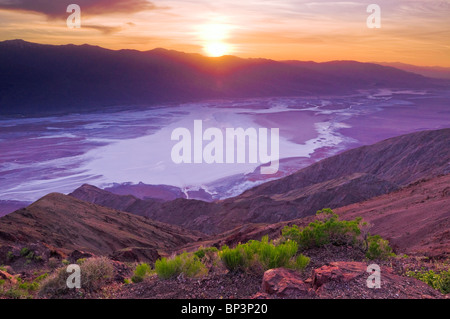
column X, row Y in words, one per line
column 216, row 49
column 213, row 37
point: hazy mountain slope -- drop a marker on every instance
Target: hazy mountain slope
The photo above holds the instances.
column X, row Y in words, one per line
column 40, row 79
column 350, row 177
column 428, row 71
column 399, row 160
column 67, row 224
column 414, row 219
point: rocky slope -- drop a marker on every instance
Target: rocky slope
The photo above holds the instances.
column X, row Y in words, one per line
column 65, row 224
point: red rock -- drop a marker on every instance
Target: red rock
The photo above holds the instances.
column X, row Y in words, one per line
column 338, row 271
column 284, row 283
column 6, row 276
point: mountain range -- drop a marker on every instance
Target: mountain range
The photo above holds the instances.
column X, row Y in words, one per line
column 38, row 79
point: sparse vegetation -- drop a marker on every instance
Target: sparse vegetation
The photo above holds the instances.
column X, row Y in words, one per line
column 327, row 229
column 24, row 251
column 262, row 255
column 301, row 262
column 202, row 252
column 95, row 273
column 378, row 248
column 81, row 261
column 438, row 280
column 140, row 272
column 9, row 256
column 186, row 264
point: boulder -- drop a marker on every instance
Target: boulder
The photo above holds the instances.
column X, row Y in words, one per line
column 337, row 272
column 284, row 283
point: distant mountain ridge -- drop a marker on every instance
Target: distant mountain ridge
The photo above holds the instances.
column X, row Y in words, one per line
column 40, row 79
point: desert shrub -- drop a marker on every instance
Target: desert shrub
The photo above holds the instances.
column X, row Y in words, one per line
column 41, row 277
column 53, row 262
column 234, row 259
column 378, row 248
column 24, row 251
column 301, row 262
column 271, row 256
column 29, row 286
column 10, row 256
column 186, row 264
column 259, row 254
column 80, row 261
column 439, row 281
column 15, row 293
column 95, row 272
column 140, row 272
column 326, row 229
column 55, row 284
column 202, row 252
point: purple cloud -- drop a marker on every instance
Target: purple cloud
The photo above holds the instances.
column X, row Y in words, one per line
column 57, row 9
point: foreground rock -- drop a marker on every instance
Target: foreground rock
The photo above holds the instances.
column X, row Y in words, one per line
column 339, row 280
column 282, row 283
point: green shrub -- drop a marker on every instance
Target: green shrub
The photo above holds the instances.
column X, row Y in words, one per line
column 202, row 252
column 65, row 262
column 378, row 248
column 80, row 261
column 327, row 229
column 15, row 293
column 271, row 256
column 258, row 253
column 10, row 256
column 439, row 281
column 301, row 262
column 140, row 272
column 24, row 251
column 186, row 264
column 41, row 277
column 29, row 286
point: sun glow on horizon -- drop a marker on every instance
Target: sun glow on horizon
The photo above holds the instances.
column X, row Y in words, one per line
column 213, row 38
column 217, row 49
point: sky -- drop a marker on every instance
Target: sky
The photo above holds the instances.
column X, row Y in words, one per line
column 412, row 31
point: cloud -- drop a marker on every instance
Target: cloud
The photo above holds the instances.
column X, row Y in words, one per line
column 57, row 9
column 104, row 29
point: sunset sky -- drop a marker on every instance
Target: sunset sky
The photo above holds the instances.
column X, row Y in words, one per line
column 412, row 31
